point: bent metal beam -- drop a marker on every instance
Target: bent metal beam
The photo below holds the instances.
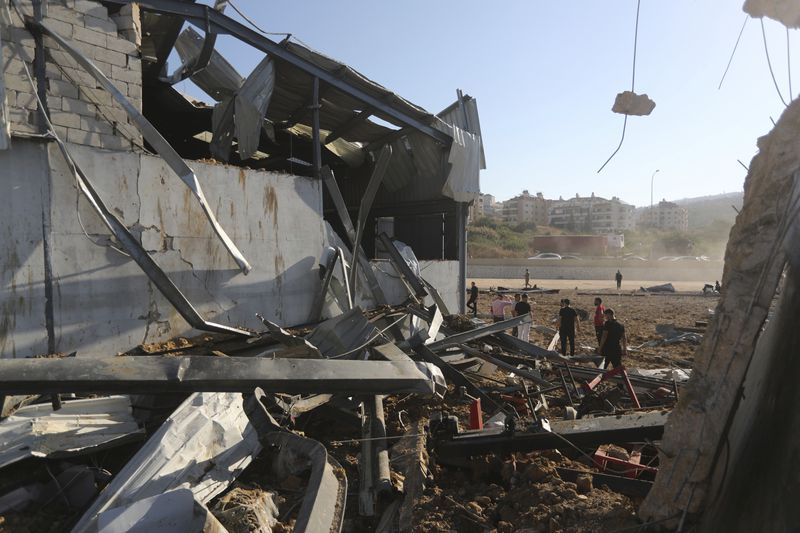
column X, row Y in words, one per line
column 155, row 374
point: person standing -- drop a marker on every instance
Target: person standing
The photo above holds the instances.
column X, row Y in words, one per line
column 498, row 307
column 523, row 307
column 599, row 320
column 618, row 277
column 472, row 303
column 567, row 326
column 614, row 343
column 527, row 279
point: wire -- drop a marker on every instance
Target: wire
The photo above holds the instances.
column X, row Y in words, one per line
column 789, row 65
column 633, row 85
column 746, row 18
column 769, row 64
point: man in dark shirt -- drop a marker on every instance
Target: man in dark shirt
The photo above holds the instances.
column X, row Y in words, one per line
column 522, row 308
column 614, row 343
column 567, row 325
column 618, row 278
column 472, row 303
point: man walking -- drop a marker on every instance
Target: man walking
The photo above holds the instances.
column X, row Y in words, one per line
column 523, row 307
column 567, row 325
column 472, row 303
column 614, row 343
column 499, row 305
column 618, row 277
column 527, row 279
column 599, row 321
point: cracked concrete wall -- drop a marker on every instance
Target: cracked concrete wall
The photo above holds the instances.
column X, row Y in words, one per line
column 102, row 302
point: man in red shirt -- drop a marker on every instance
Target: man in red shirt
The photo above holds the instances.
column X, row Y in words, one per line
column 599, row 309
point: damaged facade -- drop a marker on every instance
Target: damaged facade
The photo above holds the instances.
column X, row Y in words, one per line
column 64, row 269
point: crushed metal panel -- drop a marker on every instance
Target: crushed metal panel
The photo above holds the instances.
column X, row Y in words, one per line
column 153, row 137
column 220, row 80
column 175, row 511
column 204, row 445
column 342, row 334
column 477, row 333
column 80, row 426
column 251, row 104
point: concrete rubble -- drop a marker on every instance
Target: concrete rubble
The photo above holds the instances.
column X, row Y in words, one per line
column 334, row 388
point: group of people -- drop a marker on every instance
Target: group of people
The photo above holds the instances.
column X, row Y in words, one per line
column 612, row 343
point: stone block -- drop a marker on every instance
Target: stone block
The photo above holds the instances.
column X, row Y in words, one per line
column 62, row 88
column 122, row 45
column 134, row 90
column 26, row 101
column 83, row 137
column 61, row 27
column 126, row 75
column 135, row 64
column 110, row 56
column 90, row 36
column 91, row 8
column 71, row 105
column 18, row 82
column 66, row 120
column 104, row 67
column 96, row 125
column 103, row 25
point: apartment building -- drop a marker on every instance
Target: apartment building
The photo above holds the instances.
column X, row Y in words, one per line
column 592, row 214
column 665, row 215
column 526, row 207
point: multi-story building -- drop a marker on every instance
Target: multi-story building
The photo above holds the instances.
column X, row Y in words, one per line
column 665, row 215
column 592, row 214
column 526, row 208
column 485, row 205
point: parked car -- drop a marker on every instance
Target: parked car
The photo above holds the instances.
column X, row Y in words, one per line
column 570, row 257
column 634, row 258
column 545, row 255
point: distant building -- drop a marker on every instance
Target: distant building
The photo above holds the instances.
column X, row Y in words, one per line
column 592, row 214
column 485, row 205
column 526, row 208
column 665, row 215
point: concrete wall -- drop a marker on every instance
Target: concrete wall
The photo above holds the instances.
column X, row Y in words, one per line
column 102, row 302
column 594, row 269
column 81, row 113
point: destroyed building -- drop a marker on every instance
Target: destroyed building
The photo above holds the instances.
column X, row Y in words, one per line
column 261, row 180
column 245, row 315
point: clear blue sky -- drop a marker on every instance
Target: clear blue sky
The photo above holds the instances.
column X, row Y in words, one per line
column 545, row 75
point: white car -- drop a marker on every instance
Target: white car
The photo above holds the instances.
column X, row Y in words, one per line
column 545, row 255
column 634, row 258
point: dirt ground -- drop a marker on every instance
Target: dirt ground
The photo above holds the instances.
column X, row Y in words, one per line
column 521, row 493
column 637, row 311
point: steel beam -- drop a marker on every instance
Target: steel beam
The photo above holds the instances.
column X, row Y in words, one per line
column 157, row 374
column 417, row 288
column 346, row 126
column 204, row 16
column 585, row 432
column 477, row 333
